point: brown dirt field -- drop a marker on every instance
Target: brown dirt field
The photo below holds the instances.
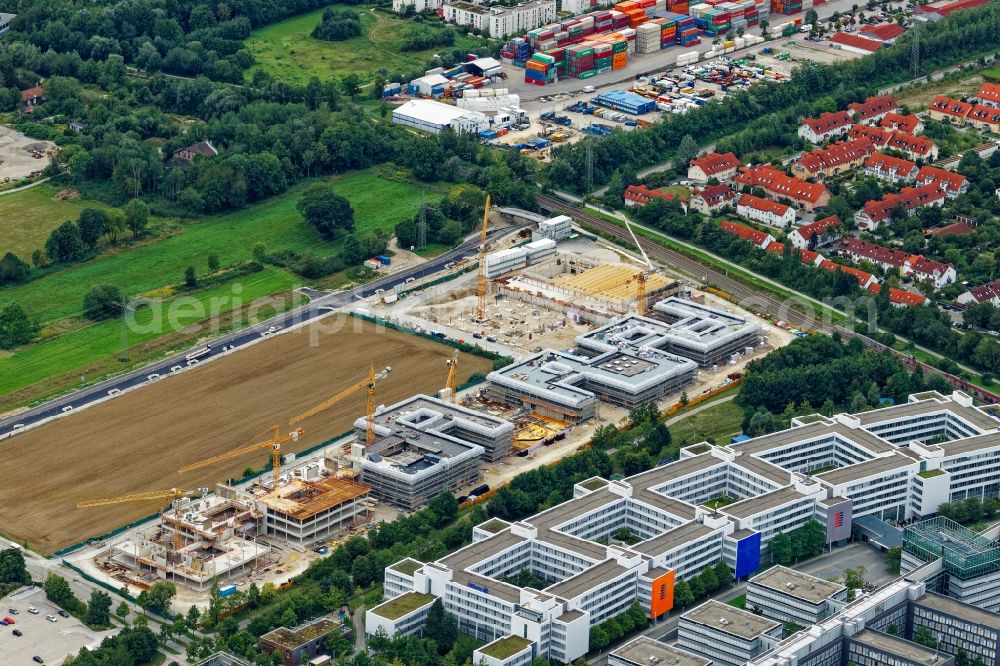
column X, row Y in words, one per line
column 135, row 443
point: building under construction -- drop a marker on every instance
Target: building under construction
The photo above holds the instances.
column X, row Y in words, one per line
column 629, row 362
column 585, row 289
column 307, row 508
column 425, row 446
column 195, row 542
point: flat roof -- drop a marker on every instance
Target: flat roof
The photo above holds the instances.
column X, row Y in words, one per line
column 505, row 648
column 764, row 469
column 958, row 609
column 867, row 468
column 586, row 579
column 673, row 538
column 761, row 503
column 929, row 403
column 644, row 651
column 403, row 605
column 730, row 620
column 971, row 444
column 900, row 647
column 817, row 429
column 408, row 566
column 797, row 584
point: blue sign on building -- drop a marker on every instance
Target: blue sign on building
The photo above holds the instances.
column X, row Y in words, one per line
column 481, row 588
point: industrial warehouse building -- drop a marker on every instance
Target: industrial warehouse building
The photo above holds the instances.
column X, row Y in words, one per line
column 631, row 361
column 425, row 446
column 435, row 117
column 882, row 468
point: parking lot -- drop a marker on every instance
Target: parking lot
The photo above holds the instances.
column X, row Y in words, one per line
column 52, row 641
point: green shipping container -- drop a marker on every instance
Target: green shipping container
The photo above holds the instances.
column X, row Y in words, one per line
column 586, row 75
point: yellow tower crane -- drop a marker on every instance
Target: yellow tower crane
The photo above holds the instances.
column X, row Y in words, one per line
column 640, row 288
column 173, row 493
column 482, row 283
column 366, row 383
column 452, row 381
column 274, row 444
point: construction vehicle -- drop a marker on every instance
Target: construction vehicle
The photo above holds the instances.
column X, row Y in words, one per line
column 482, row 281
column 174, row 494
column 274, row 444
column 366, row 383
column 452, row 382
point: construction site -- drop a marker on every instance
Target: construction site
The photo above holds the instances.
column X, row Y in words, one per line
column 592, row 332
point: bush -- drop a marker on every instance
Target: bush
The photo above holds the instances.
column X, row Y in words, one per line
column 337, row 25
column 104, row 301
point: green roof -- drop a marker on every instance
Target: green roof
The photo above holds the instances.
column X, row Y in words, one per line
column 505, row 648
column 403, row 605
column 494, row 526
column 408, row 566
column 930, row 473
column 594, row 484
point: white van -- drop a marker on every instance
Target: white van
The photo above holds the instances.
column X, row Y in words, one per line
column 589, row 89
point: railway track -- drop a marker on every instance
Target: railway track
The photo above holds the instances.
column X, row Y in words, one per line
column 748, row 297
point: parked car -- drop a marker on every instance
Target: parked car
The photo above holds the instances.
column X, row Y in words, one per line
column 17, row 632
column 63, row 613
column 37, row 659
column 51, row 618
column 8, row 620
column 32, row 610
column 13, row 611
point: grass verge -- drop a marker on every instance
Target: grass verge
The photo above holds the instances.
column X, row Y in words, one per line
column 717, row 423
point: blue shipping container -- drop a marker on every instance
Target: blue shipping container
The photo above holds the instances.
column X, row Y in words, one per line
column 384, row 259
column 227, row 590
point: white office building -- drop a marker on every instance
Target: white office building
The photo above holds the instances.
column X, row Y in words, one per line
column 591, row 577
column 787, row 595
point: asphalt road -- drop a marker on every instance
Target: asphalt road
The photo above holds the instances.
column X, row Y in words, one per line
column 321, row 303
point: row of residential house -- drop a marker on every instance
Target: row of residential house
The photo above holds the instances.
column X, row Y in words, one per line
column 909, row 265
column 836, row 124
column 827, row 227
column 983, row 115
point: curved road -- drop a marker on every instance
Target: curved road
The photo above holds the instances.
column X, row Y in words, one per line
column 321, row 303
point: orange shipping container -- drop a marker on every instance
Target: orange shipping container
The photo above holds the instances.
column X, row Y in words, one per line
column 627, row 6
column 537, row 66
column 619, row 58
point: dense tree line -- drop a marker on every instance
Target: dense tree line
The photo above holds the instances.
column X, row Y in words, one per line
column 819, row 369
column 690, row 591
column 132, row 646
column 766, row 112
column 614, row 628
column 971, row 510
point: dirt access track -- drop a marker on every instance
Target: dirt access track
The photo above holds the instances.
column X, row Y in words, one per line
column 136, row 442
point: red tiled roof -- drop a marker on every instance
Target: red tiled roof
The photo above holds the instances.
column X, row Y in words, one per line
column 841, row 152
column 714, row 163
column 876, row 253
column 775, row 248
column 750, row 201
column 951, row 107
column 985, row 114
column 845, row 39
column 642, row 194
column 909, row 198
column 989, row 92
column 862, row 276
column 884, row 31
column 919, row 145
column 896, row 121
column 744, row 232
column 929, row 267
column 32, row 93
column 873, row 106
column 828, row 122
column 953, row 229
column 779, row 184
column 899, row 296
column 875, row 135
column 949, row 180
column 986, row 292
column 714, row 194
column 807, row 231
column 884, row 164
